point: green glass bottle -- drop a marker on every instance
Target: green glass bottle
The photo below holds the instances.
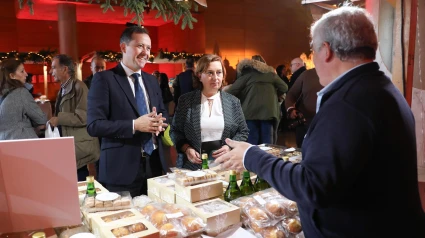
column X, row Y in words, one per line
column 232, row 191
column 261, row 184
column 247, row 188
column 91, row 190
column 205, row 161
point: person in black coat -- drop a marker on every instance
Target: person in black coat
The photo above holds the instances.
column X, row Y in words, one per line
column 183, row 83
column 358, row 176
column 167, row 96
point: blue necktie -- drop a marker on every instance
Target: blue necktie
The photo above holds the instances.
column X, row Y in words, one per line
column 143, row 109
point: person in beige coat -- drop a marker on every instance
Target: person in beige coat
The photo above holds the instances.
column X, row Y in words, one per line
column 71, row 113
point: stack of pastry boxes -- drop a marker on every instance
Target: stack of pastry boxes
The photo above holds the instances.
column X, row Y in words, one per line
column 82, row 189
column 111, row 221
column 202, row 192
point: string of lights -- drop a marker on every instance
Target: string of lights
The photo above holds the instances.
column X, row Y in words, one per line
column 35, row 57
column 174, row 56
column 110, row 56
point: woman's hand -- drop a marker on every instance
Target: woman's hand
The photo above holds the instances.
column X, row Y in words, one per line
column 223, row 150
column 193, row 156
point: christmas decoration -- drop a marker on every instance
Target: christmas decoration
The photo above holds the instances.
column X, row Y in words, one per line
column 175, row 56
column 167, row 9
column 41, row 57
column 112, row 56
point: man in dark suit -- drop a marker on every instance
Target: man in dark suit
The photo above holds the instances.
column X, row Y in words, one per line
column 125, row 108
column 97, row 64
column 184, row 81
column 358, row 176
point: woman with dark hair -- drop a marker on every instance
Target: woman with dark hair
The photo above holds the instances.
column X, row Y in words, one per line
column 167, row 97
column 19, row 113
column 205, row 117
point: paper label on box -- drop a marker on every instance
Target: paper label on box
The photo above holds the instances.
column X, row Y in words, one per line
column 220, row 222
column 174, row 215
column 212, row 207
column 204, row 192
column 260, row 200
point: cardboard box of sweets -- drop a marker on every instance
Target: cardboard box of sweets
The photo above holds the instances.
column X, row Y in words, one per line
column 217, row 214
column 135, row 227
column 184, row 202
column 108, row 202
column 111, row 218
column 168, row 194
column 200, row 192
column 154, row 198
column 155, row 185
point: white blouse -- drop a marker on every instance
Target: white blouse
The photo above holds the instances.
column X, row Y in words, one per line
column 212, row 125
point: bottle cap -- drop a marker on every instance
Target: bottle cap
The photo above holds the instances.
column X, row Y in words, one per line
column 204, row 156
column 232, row 172
column 39, row 235
column 90, row 179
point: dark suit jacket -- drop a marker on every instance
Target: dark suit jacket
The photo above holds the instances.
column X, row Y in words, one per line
column 183, row 84
column 186, row 126
column 111, row 111
column 358, row 176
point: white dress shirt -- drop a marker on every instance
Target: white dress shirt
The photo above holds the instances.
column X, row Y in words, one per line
column 129, row 72
column 212, row 124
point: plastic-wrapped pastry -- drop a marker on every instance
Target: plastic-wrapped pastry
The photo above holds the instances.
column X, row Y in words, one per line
column 168, row 230
column 125, row 201
column 158, row 218
column 117, row 203
column 272, row 232
column 107, row 204
column 138, row 227
column 192, row 224
column 275, row 208
column 98, row 204
column 257, row 214
column 293, row 225
column 148, row 210
column 89, row 202
column 120, row 231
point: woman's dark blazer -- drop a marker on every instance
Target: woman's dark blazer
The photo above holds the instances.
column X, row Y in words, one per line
column 186, row 125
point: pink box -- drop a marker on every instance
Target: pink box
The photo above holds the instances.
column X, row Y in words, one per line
column 38, row 184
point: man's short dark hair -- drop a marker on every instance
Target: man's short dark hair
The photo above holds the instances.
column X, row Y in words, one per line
column 128, row 33
column 279, row 69
column 190, row 62
column 66, row 60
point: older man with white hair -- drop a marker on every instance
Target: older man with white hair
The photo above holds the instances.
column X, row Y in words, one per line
column 358, row 175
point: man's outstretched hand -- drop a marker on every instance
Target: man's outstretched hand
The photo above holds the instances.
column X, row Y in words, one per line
column 234, row 159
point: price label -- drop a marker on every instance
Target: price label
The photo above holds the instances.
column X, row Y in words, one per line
column 260, row 200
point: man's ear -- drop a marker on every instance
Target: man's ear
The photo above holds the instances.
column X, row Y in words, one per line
column 123, row 47
column 329, row 54
column 65, row 69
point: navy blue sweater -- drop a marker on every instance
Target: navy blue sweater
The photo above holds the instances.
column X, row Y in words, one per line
column 358, row 177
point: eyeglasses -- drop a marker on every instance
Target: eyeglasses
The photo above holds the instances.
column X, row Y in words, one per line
column 212, row 73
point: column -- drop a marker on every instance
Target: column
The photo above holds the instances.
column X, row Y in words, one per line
column 67, row 26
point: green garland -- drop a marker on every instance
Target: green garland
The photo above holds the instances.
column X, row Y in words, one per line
column 40, row 57
column 112, row 56
column 174, row 56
